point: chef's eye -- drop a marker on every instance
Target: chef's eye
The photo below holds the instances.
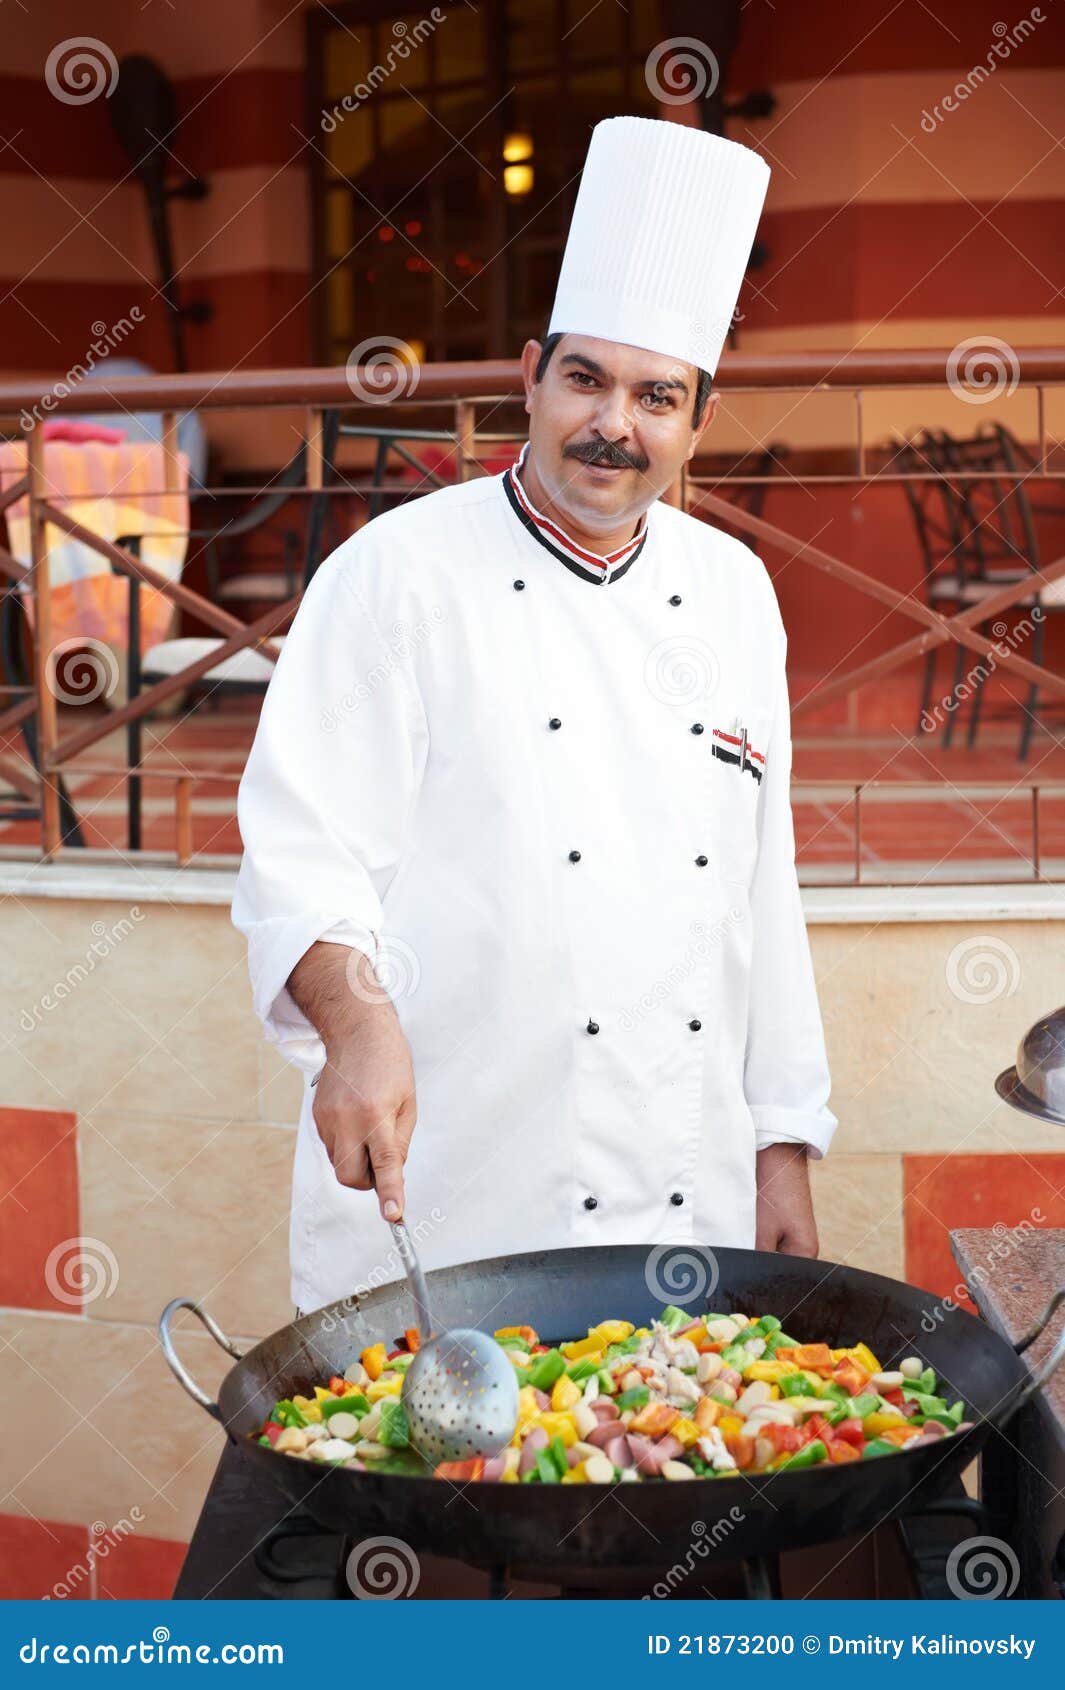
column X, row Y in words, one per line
column 581, row 376
column 658, row 400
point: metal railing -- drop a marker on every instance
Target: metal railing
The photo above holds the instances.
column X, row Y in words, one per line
column 470, row 394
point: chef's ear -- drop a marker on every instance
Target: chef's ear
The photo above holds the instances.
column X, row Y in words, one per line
column 530, row 358
column 709, row 413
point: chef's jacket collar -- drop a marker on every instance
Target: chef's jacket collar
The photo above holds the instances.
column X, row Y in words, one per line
column 590, row 566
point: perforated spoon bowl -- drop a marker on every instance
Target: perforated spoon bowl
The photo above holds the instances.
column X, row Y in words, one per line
column 461, row 1391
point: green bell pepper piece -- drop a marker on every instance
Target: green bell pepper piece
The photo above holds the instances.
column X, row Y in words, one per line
column 265, row 1440
column 287, row 1414
column 393, row 1430
column 607, row 1383
column 546, row 1369
column 638, row 1397
column 927, row 1405
column 356, row 1403
column 672, row 1317
column 625, row 1347
column 778, row 1341
column 545, row 1468
column 832, row 1391
column 867, row 1403
column 798, row 1384
column 808, row 1456
column 514, row 1343
column 583, row 1369
column 557, row 1450
column 734, row 1355
column 878, row 1446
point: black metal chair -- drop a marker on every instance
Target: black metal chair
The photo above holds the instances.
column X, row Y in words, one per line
column 976, row 527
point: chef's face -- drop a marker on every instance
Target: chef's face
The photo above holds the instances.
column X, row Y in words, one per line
column 610, row 426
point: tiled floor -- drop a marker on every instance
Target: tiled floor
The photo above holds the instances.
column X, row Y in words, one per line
column 928, row 809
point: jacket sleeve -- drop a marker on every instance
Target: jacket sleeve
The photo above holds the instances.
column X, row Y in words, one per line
column 786, row 1076
column 325, row 796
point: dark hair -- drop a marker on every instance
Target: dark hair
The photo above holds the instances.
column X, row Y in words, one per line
column 703, row 383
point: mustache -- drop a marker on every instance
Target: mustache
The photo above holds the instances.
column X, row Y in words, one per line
column 607, row 453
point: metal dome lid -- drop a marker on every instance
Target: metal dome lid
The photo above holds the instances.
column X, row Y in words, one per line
column 1037, row 1082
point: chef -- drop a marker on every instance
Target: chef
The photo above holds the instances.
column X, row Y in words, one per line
column 518, row 881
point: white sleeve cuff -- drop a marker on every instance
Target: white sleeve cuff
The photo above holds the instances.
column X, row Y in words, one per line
column 274, row 948
column 774, row 1125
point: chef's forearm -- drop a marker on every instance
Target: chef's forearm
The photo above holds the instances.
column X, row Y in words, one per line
column 334, row 986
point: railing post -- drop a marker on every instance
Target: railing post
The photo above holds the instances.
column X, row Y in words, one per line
column 465, row 437
column 47, row 716
column 183, row 818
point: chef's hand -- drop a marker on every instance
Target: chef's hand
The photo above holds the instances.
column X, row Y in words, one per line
column 785, row 1212
column 364, row 1099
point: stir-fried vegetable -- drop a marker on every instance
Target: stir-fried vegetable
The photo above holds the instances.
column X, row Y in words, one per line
column 684, row 1398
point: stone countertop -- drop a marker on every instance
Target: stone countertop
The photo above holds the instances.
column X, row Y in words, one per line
column 1011, row 1279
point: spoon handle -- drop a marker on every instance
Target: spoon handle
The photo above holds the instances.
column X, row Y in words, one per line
column 415, row 1277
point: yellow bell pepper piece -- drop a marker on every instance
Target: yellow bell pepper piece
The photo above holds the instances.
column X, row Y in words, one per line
column 575, row 1476
column 875, row 1424
column 583, row 1347
column 561, row 1424
column 373, row 1359
column 510, row 1478
column 564, row 1393
column 384, row 1388
column 322, row 1395
column 769, row 1371
column 685, row 1431
column 309, row 1410
column 864, row 1356
column 528, row 1406
column 730, row 1423
column 641, row 1332
column 611, row 1331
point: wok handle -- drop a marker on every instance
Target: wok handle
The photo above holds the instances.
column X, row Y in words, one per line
column 1043, row 1373
column 415, row 1277
column 176, row 1366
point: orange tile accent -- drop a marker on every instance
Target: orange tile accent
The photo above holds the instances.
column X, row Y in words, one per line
column 139, row 1568
column 38, row 1555
column 38, row 1203
column 944, row 1192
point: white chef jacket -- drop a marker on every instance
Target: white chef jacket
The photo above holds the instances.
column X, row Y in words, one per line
column 548, row 794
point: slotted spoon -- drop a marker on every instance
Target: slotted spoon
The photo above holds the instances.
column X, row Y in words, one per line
column 460, row 1391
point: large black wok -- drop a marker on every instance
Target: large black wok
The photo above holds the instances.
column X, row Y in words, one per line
column 571, row 1527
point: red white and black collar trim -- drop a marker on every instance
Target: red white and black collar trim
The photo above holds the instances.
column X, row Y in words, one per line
column 590, row 566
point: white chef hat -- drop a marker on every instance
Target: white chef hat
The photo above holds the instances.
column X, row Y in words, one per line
column 661, row 233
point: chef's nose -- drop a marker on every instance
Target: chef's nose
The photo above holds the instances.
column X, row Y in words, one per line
column 613, row 416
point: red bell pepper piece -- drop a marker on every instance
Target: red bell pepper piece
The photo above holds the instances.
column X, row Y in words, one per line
column 414, row 1339
column 785, row 1439
column 841, row 1450
column 816, row 1427
column 894, row 1396
column 272, row 1430
column 851, row 1431
column 460, row 1470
